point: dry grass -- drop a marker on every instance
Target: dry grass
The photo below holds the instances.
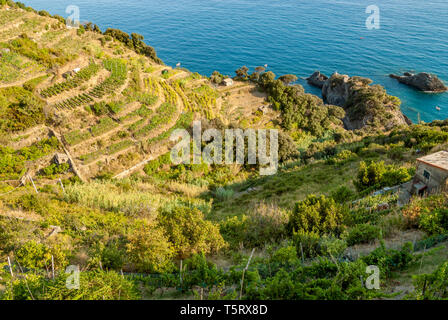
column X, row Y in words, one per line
column 106, row 195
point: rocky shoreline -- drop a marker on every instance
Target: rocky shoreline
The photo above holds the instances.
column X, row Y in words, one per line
column 365, row 104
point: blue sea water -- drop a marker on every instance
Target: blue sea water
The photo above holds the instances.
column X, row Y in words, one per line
column 291, row 36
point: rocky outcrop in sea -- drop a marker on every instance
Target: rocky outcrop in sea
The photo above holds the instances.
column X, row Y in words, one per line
column 422, row 81
column 367, row 106
column 317, row 79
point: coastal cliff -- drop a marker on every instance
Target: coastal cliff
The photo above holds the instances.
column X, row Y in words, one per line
column 366, row 106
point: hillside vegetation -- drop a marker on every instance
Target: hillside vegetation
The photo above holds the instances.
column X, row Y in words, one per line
column 141, row 227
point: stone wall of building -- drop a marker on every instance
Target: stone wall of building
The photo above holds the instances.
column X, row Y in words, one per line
column 437, row 179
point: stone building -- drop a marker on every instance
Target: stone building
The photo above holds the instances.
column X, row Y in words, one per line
column 227, row 82
column 432, row 174
column 61, row 158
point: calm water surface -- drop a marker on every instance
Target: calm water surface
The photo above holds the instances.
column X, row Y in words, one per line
column 291, row 36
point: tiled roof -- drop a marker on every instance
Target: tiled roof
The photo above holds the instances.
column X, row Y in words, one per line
column 438, row 160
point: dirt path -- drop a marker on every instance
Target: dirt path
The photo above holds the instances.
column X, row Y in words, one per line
column 18, row 214
column 178, row 76
column 160, row 151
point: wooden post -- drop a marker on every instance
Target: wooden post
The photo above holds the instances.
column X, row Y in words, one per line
column 31, row 179
column 52, row 266
column 180, row 275
column 244, row 271
column 62, row 185
column 10, row 268
column 301, row 250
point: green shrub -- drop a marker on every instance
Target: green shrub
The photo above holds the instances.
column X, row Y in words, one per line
column 152, row 167
column 342, row 157
column 234, row 229
column 109, row 256
column 331, row 246
column 201, row 272
column 431, row 286
column 362, row 233
column 389, row 260
column 35, row 255
column 94, row 285
column 54, row 169
column 189, row 232
column 285, row 256
column 149, row 249
column 20, row 109
column 343, row 194
column 306, row 242
column 377, row 175
column 224, row 194
column 319, row 215
column 435, row 222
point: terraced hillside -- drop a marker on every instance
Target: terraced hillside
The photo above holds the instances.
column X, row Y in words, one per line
column 110, row 107
column 86, row 179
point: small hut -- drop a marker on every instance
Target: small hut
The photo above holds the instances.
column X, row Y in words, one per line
column 432, row 173
column 264, row 109
column 227, row 82
column 61, row 158
column 68, row 74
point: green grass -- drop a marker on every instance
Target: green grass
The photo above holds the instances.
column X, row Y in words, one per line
column 184, row 122
column 110, row 150
column 289, row 186
column 429, row 261
column 76, row 136
column 163, row 116
column 104, row 125
column 20, row 109
column 14, row 66
column 170, row 73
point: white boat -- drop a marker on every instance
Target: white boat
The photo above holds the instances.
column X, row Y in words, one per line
column 438, row 108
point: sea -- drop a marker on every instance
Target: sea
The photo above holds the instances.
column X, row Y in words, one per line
column 290, row 37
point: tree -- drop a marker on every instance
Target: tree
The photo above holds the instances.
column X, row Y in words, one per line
column 149, row 249
column 266, row 79
column 216, row 77
column 254, row 77
column 287, row 148
column 96, row 29
column 369, row 175
column 318, row 215
column 189, row 232
column 242, row 73
column 288, row 78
